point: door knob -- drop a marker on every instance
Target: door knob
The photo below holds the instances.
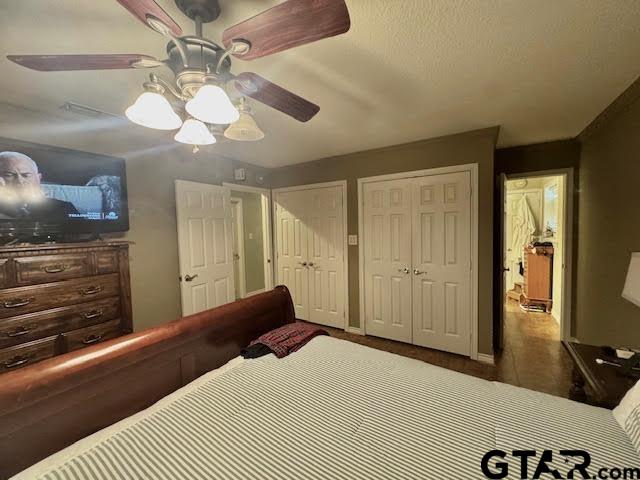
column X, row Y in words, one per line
column 304, row 264
column 190, row 278
column 404, row 270
column 418, row 272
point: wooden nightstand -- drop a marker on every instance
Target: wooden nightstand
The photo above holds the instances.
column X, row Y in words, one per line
column 599, row 385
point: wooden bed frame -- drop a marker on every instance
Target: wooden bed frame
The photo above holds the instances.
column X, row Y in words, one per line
column 52, row 404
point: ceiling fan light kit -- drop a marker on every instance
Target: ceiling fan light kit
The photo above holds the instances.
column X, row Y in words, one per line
column 202, row 68
column 211, row 104
column 194, row 132
column 245, row 129
column 152, row 110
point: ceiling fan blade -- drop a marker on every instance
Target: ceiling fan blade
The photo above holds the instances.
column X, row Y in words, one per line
column 143, row 9
column 288, row 25
column 254, row 86
column 54, row 63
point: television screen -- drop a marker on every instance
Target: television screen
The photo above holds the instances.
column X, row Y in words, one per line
column 60, row 190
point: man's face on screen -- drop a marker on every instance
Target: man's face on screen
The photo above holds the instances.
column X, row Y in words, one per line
column 19, row 178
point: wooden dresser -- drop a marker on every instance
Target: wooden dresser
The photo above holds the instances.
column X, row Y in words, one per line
column 56, row 298
column 538, row 277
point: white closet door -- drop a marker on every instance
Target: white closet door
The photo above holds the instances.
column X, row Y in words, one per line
column 387, row 259
column 205, row 238
column 442, row 262
column 326, row 256
column 292, row 248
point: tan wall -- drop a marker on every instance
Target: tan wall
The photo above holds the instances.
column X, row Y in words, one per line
column 471, row 147
column 154, row 256
column 609, row 229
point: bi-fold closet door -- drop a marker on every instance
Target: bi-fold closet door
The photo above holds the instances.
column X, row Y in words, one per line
column 310, row 252
column 417, row 260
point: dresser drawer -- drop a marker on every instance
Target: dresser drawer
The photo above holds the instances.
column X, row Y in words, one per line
column 24, row 328
column 21, row 300
column 106, row 262
column 26, row 354
column 51, row 268
column 92, row 335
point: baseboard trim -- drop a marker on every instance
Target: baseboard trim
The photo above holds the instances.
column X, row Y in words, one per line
column 354, row 330
column 486, row 358
column 255, row 292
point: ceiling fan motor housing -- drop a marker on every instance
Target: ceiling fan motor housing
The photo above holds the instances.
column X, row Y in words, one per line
column 207, row 10
column 201, row 54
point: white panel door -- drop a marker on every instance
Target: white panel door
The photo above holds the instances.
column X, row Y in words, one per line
column 325, row 255
column 292, row 248
column 441, row 206
column 205, row 240
column 386, row 241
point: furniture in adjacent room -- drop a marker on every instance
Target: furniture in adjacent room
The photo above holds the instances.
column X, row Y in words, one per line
column 600, row 385
column 538, row 277
column 55, row 298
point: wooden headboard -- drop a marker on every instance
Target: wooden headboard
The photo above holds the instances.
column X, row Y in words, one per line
column 52, row 404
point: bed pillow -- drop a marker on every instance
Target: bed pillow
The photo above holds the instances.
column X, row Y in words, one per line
column 627, row 414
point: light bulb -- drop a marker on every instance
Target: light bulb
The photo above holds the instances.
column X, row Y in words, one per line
column 194, row 132
column 152, row 110
column 244, row 130
column 212, row 105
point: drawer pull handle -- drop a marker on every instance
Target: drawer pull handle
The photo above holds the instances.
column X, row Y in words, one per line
column 19, row 302
column 16, row 361
column 91, row 290
column 92, row 339
column 55, row 268
column 21, row 330
column 93, row 314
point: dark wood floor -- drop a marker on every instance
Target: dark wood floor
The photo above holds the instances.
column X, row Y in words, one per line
column 533, row 356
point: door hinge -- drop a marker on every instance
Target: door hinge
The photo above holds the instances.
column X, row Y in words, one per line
column 471, row 265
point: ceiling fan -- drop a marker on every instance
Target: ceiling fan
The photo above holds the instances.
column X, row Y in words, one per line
column 202, row 68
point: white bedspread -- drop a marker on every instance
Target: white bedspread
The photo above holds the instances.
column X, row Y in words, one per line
column 337, row 410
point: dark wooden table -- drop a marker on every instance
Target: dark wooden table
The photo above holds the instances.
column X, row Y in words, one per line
column 599, row 385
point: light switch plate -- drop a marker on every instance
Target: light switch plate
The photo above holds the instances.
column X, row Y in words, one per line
column 353, row 240
column 240, row 174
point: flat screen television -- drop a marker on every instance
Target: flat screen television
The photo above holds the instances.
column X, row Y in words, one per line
column 54, row 193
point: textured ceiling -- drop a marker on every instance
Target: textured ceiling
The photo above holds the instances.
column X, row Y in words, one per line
column 407, row 70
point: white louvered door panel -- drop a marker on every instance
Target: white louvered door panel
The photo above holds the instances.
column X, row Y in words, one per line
column 292, row 248
column 325, row 256
column 442, row 262
column 205, row 241
column 386, row 241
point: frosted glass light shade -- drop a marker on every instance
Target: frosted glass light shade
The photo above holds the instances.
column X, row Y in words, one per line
column 152, row 110
column 244, row 130
column 212, row 105
column 194, row 132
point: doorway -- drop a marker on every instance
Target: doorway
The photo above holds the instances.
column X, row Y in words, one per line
column 239, row 270
column 536, row 241
column 252, row 245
